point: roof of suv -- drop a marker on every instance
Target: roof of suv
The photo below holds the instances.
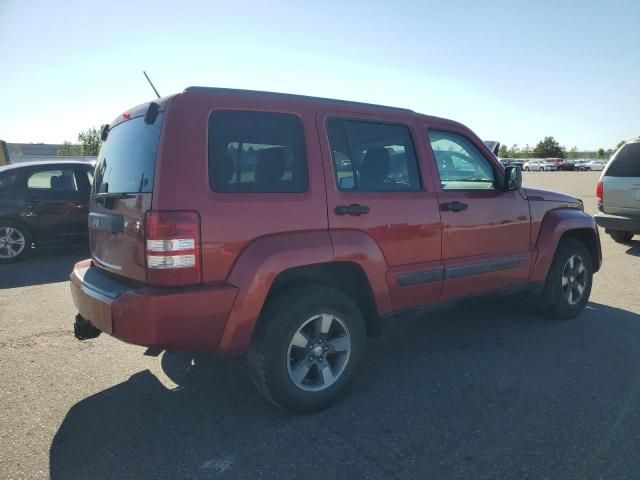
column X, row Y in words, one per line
column 196, row 89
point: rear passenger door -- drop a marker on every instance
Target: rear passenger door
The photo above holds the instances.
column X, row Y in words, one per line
column 377, row 195
column 57, row 201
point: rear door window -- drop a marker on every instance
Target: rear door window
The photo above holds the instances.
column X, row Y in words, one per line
column 127, row 159
column 626, row 163
column 372, row 156
column 53, row 180
column 256, row 152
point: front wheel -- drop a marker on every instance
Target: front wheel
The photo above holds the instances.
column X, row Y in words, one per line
column 620, row 236
column 307, row 348
column 568, row 285
column 526, row 169
column 542, row 169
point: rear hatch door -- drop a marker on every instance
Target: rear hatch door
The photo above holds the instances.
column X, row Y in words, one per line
column 122, row 194
column 621, row 181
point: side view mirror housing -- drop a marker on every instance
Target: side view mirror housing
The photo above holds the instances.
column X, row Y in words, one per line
column 512, row 178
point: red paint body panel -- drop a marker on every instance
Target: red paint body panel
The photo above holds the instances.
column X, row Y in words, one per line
column 170, row 318
column 248, row 239
column 555, row 224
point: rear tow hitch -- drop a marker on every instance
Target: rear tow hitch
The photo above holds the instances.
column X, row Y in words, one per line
column 83, row 330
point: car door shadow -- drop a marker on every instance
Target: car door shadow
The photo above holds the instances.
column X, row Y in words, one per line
column 45, row 265
column 483, row 390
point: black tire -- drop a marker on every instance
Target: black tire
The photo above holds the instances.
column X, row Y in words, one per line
column 526, row 169
column 552, row 300
column 621, row 236
column 268, row 356
column 26, row 235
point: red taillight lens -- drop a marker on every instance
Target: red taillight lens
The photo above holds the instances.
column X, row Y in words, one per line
column 600, row 194
column 172, row 244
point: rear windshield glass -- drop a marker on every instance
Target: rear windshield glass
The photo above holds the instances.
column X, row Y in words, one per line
column 127, row 160
column 626, row 163
column 256, row 152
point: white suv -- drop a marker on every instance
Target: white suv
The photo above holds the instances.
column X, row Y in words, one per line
column 618, row 194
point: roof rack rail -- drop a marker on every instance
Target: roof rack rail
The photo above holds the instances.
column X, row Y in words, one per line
column 197, row 89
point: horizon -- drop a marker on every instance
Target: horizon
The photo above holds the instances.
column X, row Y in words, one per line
column 514, row 75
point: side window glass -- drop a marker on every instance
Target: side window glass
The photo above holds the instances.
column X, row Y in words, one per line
column 56, row 180
column 256, row 152
column 372, row 157
column 460, row 164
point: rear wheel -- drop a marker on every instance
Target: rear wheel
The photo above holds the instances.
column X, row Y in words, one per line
column 15, row 241
column 307, row 348
column 542, row 169
column 568, row 285
column 621, row 236
column 526, row 169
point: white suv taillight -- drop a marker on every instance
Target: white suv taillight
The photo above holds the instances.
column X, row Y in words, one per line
column 172, row 240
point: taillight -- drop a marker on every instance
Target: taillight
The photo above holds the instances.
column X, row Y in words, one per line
column 172, row 247
column 600, row 195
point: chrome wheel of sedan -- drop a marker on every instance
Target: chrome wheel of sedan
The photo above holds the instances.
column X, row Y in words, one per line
column 574, row 279
column 12, row 242
column 319, row 352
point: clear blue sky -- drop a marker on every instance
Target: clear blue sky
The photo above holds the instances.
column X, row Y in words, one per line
column 513, row 71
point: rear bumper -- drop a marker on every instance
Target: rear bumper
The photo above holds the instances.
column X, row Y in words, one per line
column 618, row 222
column 185, row 318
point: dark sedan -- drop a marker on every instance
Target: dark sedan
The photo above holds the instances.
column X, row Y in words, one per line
column 41, row 204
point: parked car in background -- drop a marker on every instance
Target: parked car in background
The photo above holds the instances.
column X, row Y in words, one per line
column 561, row 164
column 596, row 165
column 580, row 165
column 618, row 194
column 550, row 166
column 42, row 203
column 296, row 258
column 535, row 165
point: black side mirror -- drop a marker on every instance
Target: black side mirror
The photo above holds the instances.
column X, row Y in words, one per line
column 512, row 178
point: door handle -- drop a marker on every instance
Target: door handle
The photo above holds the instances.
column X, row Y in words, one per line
column 354, row 210
column 453, row 206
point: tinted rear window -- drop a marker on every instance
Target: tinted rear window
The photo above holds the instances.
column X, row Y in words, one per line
column 256, row 152
column 626, row 163
column 127, row 160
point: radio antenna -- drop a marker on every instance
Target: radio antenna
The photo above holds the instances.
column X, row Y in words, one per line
column 150, row 83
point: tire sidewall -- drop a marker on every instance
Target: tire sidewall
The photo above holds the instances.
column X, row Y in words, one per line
column 277, row 341
column 560, row 307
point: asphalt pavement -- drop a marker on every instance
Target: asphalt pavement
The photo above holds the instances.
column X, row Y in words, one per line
column 482, row 390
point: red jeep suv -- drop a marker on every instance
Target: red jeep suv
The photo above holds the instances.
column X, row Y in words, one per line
column 287, row 227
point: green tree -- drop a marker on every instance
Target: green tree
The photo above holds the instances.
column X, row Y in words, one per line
column 526, row 151
column 514, row 151
column 549, row 148
column 601, row 153
column 90, row 141
column 68, row 149
column 620, row 143
column 503, row 152
column 15, row 151
column 573, row 153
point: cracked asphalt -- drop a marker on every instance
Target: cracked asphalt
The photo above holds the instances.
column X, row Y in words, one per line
column 483, row 390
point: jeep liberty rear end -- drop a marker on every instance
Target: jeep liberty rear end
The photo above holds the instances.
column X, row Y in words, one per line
column 286, row 227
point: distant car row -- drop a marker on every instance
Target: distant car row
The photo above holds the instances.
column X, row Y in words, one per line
column 553, row 164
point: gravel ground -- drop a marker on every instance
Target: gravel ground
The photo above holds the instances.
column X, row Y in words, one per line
column 483, row 390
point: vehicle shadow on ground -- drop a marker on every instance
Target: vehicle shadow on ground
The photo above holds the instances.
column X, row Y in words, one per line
column 634, row 248
column 483, row 390
column 43, row 266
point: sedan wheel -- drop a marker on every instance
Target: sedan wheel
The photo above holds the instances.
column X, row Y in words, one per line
column 14, row 242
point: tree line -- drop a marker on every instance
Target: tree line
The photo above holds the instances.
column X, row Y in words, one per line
column 88, row 145
column 549, row 147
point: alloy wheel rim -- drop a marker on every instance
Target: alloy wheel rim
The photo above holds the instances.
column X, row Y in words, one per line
column 12, row 242
column 574, row 279
column 318, row 352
